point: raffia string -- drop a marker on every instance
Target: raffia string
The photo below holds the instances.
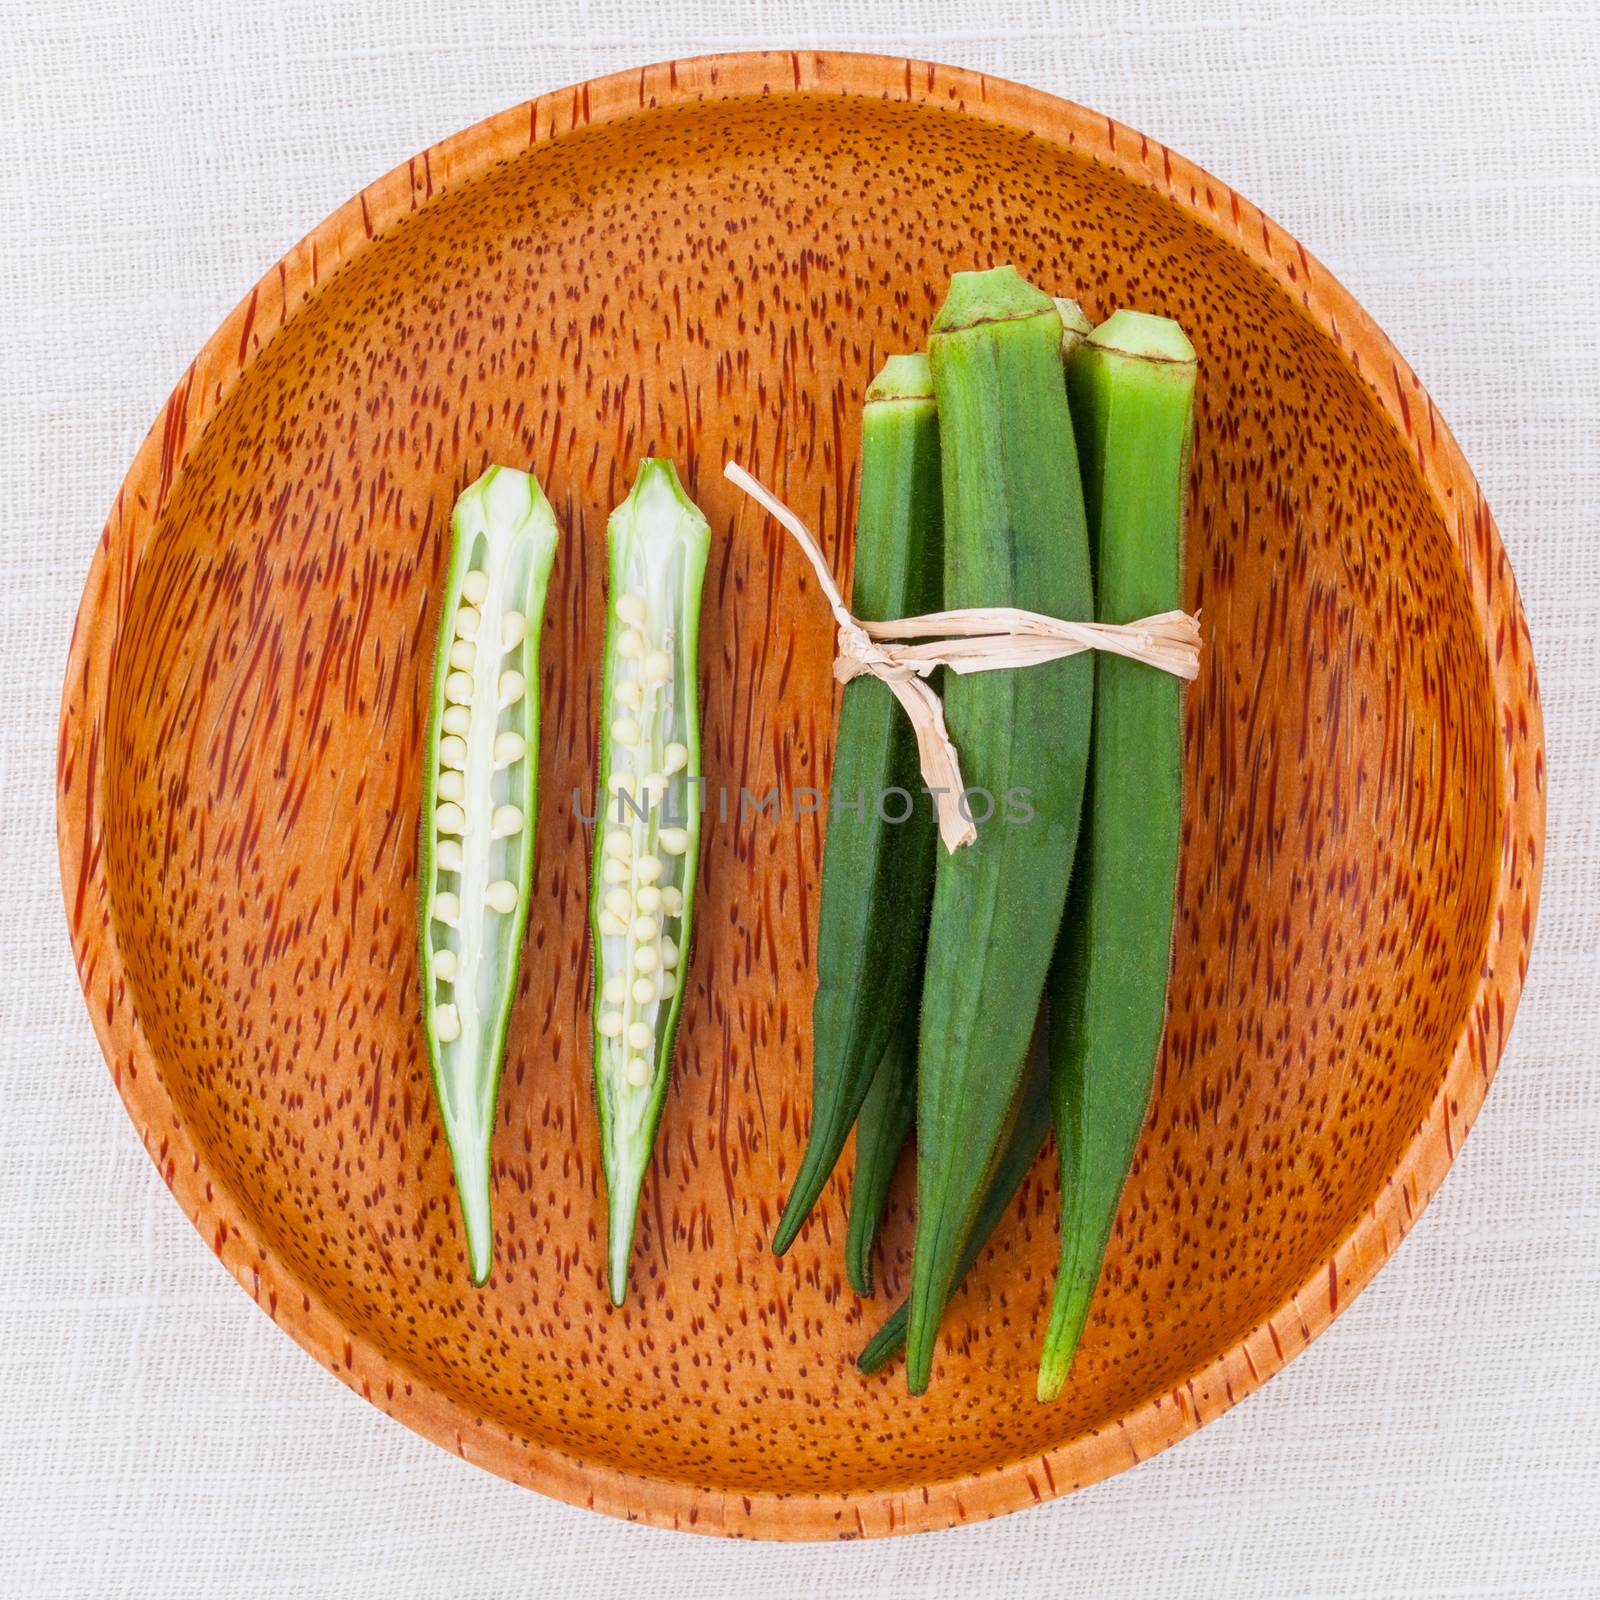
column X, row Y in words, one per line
column 978, row 639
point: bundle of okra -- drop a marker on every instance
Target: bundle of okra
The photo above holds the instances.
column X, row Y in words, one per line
column 1028, row 461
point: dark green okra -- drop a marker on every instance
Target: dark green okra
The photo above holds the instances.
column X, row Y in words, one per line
column 1015, row 535
column 882, row 1129
column 1132, row 394
column 877, row 865
column 647, row 838
column 479, row 785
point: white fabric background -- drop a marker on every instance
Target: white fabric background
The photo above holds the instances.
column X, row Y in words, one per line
column 158, row 1437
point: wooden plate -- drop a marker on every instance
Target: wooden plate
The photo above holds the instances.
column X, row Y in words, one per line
column 697, row 259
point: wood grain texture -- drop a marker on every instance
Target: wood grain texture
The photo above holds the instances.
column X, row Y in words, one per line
column 704, row 258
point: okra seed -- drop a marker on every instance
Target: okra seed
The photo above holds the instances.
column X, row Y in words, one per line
column 617, row 902
column 475, row 587
column 649, row 898
column 513, row 629
column 647, row 869
column 458, row 689
column 451, row 786
column 644, row 990
column 631, row 644
column 656, row 787
column 614, row 991
column 609, row 1025
column 640, row 1036
column 447, row 909
column 619, row 782
column 674, row 840
column 657, row 667
column 450, row 818
column 501, row 896
column 645, row 929
column 448, row 855
column 508, row 747
column 619, row 843
column 668, row 985
column 511, row 688
column 446, row 964
column 456, row 720
column 625, row 731
column 467, row 620
column 638, row 1072
column 628, row 694
column 611, row 925
column 675, row 757
column 646, row 959
column 464, row 655
column 505, row 823
column 631, row 609
column 672, row 900
column 614, row 871
column 447, row 1024
column 669, row 954
column 452, row 751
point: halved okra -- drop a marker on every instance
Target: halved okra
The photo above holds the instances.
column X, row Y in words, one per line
column 479, row 784
column 647, row 832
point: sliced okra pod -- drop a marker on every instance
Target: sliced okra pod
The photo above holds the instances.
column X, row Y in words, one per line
column 479, row 784
column 647, row 830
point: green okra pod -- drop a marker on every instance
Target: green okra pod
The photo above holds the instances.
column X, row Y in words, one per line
column 882, row 1129
column 1132, row 394
column 479, row 788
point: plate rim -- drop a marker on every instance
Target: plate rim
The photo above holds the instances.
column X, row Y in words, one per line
column 1157, row 1421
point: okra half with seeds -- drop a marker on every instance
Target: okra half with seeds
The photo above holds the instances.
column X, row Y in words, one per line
column 647, row 831
column 479, row 784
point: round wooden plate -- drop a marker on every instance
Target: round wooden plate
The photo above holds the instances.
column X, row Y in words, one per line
column 700, row 259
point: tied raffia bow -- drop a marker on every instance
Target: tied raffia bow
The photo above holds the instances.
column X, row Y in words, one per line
column 977, row 639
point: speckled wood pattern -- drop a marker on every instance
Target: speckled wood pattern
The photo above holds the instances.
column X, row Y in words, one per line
column 709, row 259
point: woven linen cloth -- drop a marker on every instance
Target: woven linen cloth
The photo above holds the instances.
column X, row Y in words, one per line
column 159, row 1437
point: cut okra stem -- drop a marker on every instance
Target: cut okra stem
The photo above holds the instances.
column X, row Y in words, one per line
column 647, row 830
column 478, row 794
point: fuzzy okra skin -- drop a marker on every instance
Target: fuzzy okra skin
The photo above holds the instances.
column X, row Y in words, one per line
column 479, row 786
column 882, row 1129
column 1132, row 394
column 647, row 833
column 877, row 865
column 1015, row 535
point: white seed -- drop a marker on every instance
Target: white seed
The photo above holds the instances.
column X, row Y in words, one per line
column 644, row 990
column 631, row 608
column 638, row 1072
column 464, row 655
column 656, row 787
column 511, row 688
column 645, row 929
column 475, row 587
column 672, row 900
column 446, row 964
column 617, row 902
column 625, row 731
column 669, row 985
column 647, row 869
column 447, row 909
column 619, row 843
column 513, row 629
column 646, row 959
column 614, row 871
column 628, row 694
column 669, row 954
column 674, row 840
column 448, row 855
column 501, row 896
column 508, row 747
column 630, row 644
column 614, row 991
column 648, row 898
column 452, row 751
column 467, row 620
column 657, row 667
column 446, row 1024
column 610, row 1024
column 675, row 757
column 450, row 818
column 451, row 785
column 611, row 925
column 640, row 1036
column 620, row 781
column 457, row 720
column 458, row 689
column 506, row 821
